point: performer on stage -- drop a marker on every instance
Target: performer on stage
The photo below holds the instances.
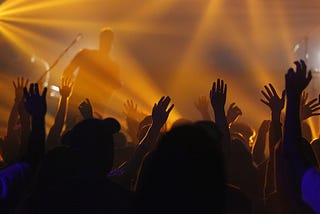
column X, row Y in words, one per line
column 90, row 66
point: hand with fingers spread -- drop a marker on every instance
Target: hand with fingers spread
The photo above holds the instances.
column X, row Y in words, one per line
column 18, row 87
column 35, row 103
column 18, row 105
column 160, row 112
column 85, row 109
column 297, row 81
column 304, row 97
column 60, row 118
column 218, row 94
column 276, row 104
column 273, row 101
column 66, row 88
column 308, row 109
column 202, row 105
column 289, row 150
column 131, row 110
column 233, row 113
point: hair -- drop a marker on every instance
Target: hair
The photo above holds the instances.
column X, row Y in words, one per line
column 185, row 172
column 106, row 33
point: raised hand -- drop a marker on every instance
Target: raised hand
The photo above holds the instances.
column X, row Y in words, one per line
column 308, row 109
column 264, row 127
column 304, row 97
column 35, row 103
column 259, row 146
column 131, row 110
column 66, row 87
column 297, row 81
column 218, row 94
column 273, row 101
column 202, row 104
column 233, row 113
column 18, row 87
column 85, row 109
column 160, row 112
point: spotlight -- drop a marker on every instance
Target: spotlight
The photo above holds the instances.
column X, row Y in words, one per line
column 296, row 48
column 54, row 91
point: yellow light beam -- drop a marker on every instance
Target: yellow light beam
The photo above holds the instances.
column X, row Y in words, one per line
column 150, row 9
column 188, row 59
column 26, row 39
column 213, row 8
column 7, row 5
column 34, row 6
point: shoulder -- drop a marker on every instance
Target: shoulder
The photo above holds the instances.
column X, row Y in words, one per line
column 84, row 53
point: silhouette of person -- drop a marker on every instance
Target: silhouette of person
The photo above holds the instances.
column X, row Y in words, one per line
column 90, row 66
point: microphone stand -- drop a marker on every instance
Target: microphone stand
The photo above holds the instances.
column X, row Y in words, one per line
column 75, row 40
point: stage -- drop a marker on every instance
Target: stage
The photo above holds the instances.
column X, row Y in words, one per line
column 169, row 47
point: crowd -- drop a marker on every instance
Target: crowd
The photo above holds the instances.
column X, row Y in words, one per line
column 213, row 165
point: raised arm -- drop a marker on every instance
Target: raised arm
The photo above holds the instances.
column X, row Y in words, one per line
column 276, row 104
column 308, row 109
column 259, row 146
column 296, row 82
column 202, row 105
column 133, row 117
column 160, row 114
column 218, row 95
column 14, row 114
column 25, row 127
column 291, row 163
column 12, row 143
column 85, row 109
column 233, row 114
column 56, row 129
column 36, row 105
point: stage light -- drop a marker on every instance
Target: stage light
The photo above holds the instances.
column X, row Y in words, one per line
column 296, row 47
column 55, row 88
column 54, row 91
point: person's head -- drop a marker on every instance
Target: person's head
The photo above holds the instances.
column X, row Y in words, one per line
column 106, row 39
column 93, row 140
column 186, row 167
column 181, row 121
column 243, row 132
column 308, row 152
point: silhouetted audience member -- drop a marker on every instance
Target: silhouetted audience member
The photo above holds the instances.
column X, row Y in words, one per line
column 143, row 127
column 123, row 150
column 296, row 180
column 195, row 167
column 244, row 133
column 184, row 174
column 74, row 179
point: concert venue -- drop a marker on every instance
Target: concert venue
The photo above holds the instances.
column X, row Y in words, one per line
column 171, row 106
